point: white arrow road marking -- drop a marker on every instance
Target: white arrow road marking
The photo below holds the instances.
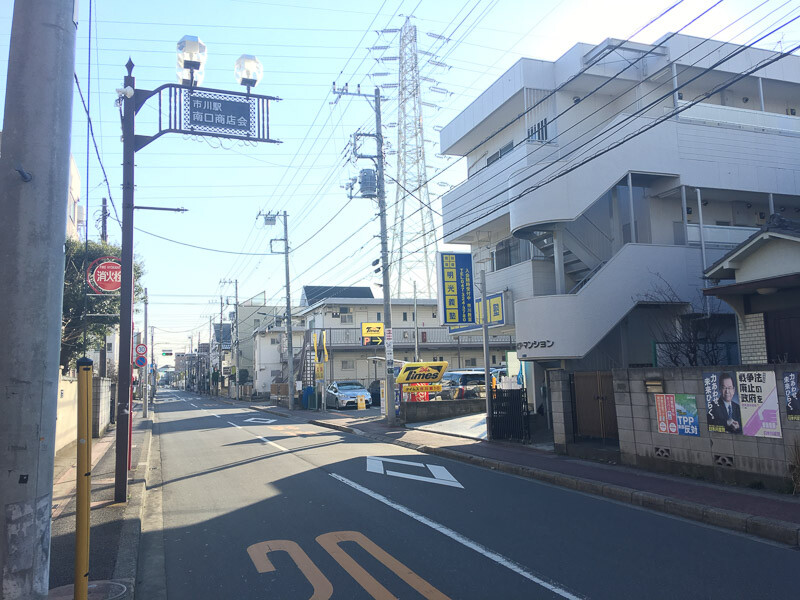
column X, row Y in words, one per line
column 259, row 420
column 440, row 475
column 461, row 539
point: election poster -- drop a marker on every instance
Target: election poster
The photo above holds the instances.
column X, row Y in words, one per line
column 677, row 414
column 790, row 390
column 722, row 402
column 665, row 413
column 758, row 397
column 686, row 414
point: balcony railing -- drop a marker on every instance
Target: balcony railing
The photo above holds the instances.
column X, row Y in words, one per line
column 714, row 114
column 718, row 235
column 405, row 336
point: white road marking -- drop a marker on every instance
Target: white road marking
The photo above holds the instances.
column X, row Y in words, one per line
column 216, row 415
column 455, row 536
column 259, row 420
column 440, row 475
column 263, row 439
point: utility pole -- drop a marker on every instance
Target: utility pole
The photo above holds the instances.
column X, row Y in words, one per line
column 154, row 382
column 145, row 387
column 235, row 341
column 487, row 377
column 34, row 184
column 219, row 347
column 381, row 193
column 289, row 346
column 210, row 339
column 416, row 325
column 269, row 219
column 104, row 222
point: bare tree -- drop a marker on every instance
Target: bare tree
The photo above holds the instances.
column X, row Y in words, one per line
column 692, row 337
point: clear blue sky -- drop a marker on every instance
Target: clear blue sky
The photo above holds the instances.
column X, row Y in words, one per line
column 304, row 46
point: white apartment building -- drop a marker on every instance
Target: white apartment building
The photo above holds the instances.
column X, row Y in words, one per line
column 600, row 186
column 341, row 317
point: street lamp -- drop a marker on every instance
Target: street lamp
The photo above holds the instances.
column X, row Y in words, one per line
column 191, row 60
column 248, row 71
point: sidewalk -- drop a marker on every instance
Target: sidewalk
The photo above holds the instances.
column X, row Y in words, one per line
column 765, row 514
column 115, row 528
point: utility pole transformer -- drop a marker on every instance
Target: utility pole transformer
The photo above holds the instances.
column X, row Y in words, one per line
column 381, row 194
column 34, row 187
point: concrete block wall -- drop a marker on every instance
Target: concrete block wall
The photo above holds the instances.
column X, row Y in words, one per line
column 561, row 403
column 66, row 412
column 101, row 405
column 723, row 457
column 753, row 339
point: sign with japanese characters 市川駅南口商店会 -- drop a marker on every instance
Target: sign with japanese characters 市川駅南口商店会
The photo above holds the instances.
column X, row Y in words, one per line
column 219, row 113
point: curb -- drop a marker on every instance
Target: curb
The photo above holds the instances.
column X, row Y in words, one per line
column 130, row 535
column 771, row 529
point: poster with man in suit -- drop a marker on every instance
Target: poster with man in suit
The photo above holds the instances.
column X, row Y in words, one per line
column 722, row 403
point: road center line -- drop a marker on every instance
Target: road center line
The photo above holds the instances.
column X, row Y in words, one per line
column 263, row 439
column 498, row 558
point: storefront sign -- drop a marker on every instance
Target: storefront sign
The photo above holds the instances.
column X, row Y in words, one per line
column 430, row 372
column 455, row 280
column 372, row 334
column 497, row 314
column 212, row 112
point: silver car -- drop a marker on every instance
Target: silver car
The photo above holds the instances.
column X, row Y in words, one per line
column 341, row 394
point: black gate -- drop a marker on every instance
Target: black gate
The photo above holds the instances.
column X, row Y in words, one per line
column 510, row 416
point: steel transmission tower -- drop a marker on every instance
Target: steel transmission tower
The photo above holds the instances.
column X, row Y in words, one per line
column 414, row 232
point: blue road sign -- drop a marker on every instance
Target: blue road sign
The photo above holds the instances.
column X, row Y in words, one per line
column 141, row 360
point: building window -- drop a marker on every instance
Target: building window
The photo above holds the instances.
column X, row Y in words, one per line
column 494, row 359
column 379, row 317
column 433, row 315
column 471, row 362
column 348, row 365
column 347, row 318
column 405, row 316
column 274, row 341
column 511, row 251
column 344, row 309
column 538, row 133
column 256, row 323
column 275, row 373
column 500, row 153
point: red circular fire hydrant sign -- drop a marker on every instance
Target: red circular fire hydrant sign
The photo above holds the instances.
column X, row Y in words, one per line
column 105, row 274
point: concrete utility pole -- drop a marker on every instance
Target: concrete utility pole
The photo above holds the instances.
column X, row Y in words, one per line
column 219, row 347
column 416, row 325
column 487, row 376
column 236, row 356
column 145, row 385
column 289, row 346
column 381, row 194
column 154, row 382
column 210, row 340
column 34, row 184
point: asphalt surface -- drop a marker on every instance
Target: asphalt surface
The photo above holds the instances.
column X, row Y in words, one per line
column 255, row 505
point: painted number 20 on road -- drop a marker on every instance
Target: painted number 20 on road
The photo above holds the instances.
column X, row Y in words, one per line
column 259, row 554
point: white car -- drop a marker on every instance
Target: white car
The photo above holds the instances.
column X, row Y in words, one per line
column 341, row 394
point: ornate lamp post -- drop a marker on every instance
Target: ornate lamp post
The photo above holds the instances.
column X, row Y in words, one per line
column 183, row 108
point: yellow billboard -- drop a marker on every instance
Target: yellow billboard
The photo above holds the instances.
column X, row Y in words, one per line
column 422, row 372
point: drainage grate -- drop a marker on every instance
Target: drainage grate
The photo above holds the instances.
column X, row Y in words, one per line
column 663, row 452
column 723, row 461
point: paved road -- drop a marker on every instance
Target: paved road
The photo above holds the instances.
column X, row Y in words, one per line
column 258, row 506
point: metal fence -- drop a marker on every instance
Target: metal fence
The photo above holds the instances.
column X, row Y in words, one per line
column 510, row 416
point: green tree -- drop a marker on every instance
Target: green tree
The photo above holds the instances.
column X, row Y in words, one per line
column 77, row 260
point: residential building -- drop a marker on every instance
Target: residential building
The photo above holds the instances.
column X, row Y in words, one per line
column 339, row 320
column 764, row 291
column 602, row 184
column 252, row 315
